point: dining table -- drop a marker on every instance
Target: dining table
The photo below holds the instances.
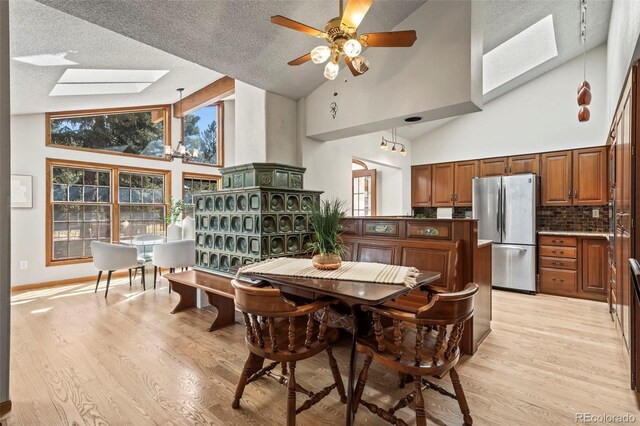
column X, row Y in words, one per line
column 352, row 295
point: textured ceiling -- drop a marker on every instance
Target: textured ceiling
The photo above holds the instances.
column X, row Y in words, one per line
column 506, row 18
column 36, row 29
column 234, row 37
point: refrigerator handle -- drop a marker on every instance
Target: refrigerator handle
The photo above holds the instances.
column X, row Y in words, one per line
column 498, row 216
column 503, row 210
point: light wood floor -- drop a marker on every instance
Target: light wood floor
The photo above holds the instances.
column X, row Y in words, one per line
column 80, row 359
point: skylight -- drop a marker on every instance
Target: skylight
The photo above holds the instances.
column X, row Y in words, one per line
column 78, row 75
column 46, row 60
column 521, row 53
column 78, row 81
column 78, row 89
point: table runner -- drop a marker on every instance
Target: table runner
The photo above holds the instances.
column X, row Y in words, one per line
column 348, row 271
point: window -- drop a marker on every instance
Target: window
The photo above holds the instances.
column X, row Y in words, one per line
column 142, row 204
column 191, row 184
column 203, row 130
column 141, row 132
column 86, row 202
column 363, row 188
column 81, row 204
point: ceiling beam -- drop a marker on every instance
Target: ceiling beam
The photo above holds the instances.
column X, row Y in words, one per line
column 211, row 93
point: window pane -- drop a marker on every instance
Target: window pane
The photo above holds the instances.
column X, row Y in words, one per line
column 76, row 224
column 124, row 195
column 201, row 132
column 137, row 133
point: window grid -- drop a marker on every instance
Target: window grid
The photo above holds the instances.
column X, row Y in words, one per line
column 142, row 207
column 81, row 207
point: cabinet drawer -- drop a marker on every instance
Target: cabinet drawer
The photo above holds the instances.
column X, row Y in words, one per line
column 562, row 282
column 557, row 251
column 558, row 240
column 558, row 262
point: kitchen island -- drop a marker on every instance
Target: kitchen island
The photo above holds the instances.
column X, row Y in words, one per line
column 447, row 246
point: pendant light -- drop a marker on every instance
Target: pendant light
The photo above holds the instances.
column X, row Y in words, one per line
column 584, row 90
column 181, row 152
column 384, row 145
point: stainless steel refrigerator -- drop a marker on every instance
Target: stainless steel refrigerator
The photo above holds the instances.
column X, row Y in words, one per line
column 506, row 211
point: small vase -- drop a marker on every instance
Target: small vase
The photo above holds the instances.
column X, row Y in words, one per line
column 174, row 232
column 326, row 262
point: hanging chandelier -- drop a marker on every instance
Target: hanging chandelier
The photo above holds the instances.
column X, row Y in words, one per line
column 384, row 145
column 181, row 151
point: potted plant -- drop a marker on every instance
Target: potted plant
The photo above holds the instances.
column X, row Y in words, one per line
column 325, row 220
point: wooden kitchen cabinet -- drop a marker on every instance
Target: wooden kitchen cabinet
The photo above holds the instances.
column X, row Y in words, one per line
column 493, row 167
column 442, row 188
column 594, row 268
column 573, row 266
column 590, row 176
column 421, row 186
column 464, row 172
column 524, row 164
column 556, row 178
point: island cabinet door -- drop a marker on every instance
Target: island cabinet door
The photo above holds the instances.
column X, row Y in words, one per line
column 590, row 176
column 556, row 179
column 464, row 173
column 421, row 186
column 442, row 185
column 493, row 167
column 594, row 268
column 522, row 164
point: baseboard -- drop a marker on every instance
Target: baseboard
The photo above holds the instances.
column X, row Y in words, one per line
column 67, row 281
column 5, row 407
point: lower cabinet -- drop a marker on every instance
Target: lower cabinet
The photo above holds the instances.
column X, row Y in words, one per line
column 573, row 266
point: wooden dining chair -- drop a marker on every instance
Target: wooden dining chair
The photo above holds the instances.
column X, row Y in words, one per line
column 284, row 333
column 418, row 345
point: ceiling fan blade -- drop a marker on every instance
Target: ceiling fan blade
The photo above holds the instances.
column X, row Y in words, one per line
column 390, row 39
column 297, row 26
column 301, row 60
column 353, row 69
column 354, row 12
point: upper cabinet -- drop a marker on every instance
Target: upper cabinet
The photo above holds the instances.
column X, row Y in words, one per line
column 590, row 176
column 493, row 167
column 576, row 177
column 522, row 164
column 505, row 166
column 556, row 178
column 421, row 186
column 442, row 188
column 464, row 173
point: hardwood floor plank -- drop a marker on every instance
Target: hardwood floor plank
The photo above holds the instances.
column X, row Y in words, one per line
column 78, row 358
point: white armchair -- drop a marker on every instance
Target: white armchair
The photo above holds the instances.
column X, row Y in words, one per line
column 172, row 255
column 114, row 257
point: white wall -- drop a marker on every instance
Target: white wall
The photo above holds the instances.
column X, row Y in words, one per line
column 624, row 29
column 329, row 167
column 265, row 126
column 28, row 156
column 439, row 76
column 541, row 115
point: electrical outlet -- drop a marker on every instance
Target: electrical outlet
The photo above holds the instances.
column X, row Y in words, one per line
column 24, row 264
column 595, row 213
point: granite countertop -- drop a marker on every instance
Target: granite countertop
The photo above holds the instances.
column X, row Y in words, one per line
column 482, row 243
column 575, row 233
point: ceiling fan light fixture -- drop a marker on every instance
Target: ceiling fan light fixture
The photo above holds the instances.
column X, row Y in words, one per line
column 320, row 54
column 352, row 48
column 331, row 70
column 360, row 63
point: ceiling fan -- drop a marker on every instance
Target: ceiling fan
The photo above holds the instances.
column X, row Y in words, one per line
column 343, row 40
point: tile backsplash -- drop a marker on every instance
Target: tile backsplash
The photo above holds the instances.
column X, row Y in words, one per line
column 550, row 218
column 572, row 218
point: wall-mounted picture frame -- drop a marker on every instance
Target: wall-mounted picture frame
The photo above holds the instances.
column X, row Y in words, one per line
column 21, row 191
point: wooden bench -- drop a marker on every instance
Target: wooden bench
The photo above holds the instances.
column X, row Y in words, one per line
column 218, row 289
